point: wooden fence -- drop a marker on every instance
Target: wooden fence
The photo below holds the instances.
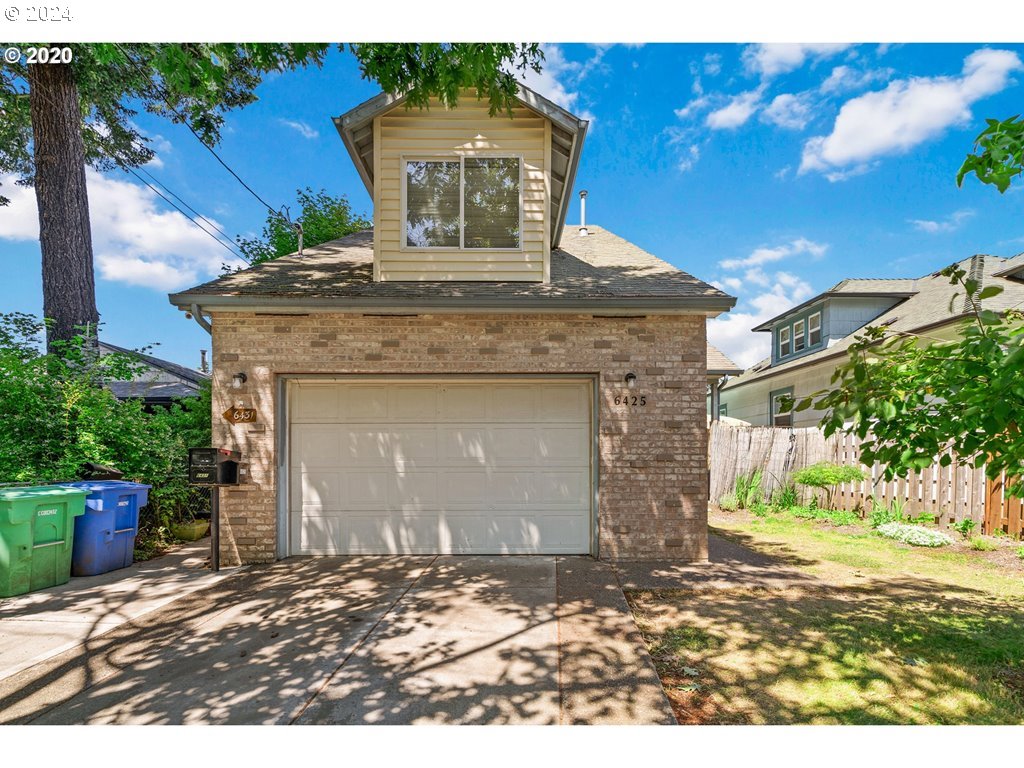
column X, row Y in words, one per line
column 949, row 494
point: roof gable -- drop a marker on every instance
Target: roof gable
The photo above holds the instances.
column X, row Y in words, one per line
column 567, row 135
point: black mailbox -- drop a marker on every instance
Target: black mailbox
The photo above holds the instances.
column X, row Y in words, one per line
column 215, row 466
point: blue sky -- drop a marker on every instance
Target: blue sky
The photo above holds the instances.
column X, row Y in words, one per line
column 773, row 171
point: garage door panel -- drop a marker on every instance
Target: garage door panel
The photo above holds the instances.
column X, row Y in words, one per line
column 464, row 403
column 412, row 402
column 564, row 402
column 563, row 445
column 513, row 403
column 319, row 535
column 318, row 490
column 485, row 467
column 564, row 487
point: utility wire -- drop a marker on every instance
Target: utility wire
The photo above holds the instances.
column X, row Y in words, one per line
column 184, row 120
column 232, row 249
column 169, row 191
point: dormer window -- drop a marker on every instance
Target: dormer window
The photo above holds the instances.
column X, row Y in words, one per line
column 814, row 330
column 464, row 203
column 798, row 336
column 784, row 347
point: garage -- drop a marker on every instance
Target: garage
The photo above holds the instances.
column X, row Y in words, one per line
column 454, row 465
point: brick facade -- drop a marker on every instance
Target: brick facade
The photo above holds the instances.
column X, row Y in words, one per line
column 653, row 459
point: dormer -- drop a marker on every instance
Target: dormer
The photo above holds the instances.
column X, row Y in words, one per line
column 459, row 194
column 843, row 309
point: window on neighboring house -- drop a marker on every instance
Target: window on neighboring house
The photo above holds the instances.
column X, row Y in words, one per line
column 463, row 203
column 784, row 348
column 798, row 336
column 777, row 417
column 814, row 329
column 723, row 409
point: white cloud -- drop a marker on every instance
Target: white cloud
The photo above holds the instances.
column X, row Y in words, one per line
column 788, row 110
column 689, row 158
column 731, row 332
column 906, row 113
column 712, row 64
column 770, row 59
column 949, row 224
column 737, row 112
column 846, row 78
column 761, row 256
column 135, row 239
column 303, row 129
column 683, row 113
column 552, row 81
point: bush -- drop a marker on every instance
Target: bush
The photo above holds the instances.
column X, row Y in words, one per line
column 826, row 476
column 834, row 516
column 1020, row 552
column 881, row 514
column 964, row 527
column 760, row 509
column 56, row 416
column 983, row 545
column 914, row 535
column 748, row 489
column 729, row 502
column 786, row 496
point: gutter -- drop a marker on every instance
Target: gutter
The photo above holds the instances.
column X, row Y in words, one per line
column 612, row 305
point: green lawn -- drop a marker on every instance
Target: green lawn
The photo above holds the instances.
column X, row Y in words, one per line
column 889, row 634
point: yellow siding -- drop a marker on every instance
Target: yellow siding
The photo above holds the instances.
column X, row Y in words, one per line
column 466, row 130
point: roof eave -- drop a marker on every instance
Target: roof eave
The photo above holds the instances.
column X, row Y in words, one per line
column 448, row 305
column 767, row 324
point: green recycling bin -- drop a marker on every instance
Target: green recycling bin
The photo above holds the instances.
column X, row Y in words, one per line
column 37, row 531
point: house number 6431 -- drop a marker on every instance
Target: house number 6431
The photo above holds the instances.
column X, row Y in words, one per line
column 630, row 400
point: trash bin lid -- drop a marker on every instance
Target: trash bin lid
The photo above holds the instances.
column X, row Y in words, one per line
column 40, row 491
column 96, row 486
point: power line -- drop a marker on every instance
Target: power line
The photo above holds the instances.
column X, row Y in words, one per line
column 169, row 191
column 184, row 120
column 232, row 249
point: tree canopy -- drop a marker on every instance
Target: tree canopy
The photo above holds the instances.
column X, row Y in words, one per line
column 911, row 400
column 998, row 154
column 323, row 217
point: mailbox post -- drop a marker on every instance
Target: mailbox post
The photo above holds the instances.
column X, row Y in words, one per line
column 214, row 467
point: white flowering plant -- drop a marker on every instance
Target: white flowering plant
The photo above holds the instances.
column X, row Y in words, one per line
column 915, row 535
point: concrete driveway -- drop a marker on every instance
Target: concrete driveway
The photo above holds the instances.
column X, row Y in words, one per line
column 364, row 640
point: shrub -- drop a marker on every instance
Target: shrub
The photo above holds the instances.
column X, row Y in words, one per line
column 826, row 476
column 914, row 535
column 964, row 527
column 56, row 416
column 761, row 509
column 786, row 496
column 729, row 502
column 1020, row 552
column 881, row 514
column 834, row 516
column 748, row 489
column 983, row 545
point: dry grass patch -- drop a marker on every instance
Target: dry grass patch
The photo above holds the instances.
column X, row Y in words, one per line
column 882, row 652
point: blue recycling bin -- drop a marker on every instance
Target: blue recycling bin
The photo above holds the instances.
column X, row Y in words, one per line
column 105, row 534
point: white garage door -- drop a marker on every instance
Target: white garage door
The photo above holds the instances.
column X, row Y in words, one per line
column 462, row 466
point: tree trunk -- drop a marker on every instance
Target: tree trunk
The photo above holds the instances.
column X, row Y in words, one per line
column 69, row 289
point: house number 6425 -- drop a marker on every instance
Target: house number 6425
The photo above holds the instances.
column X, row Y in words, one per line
column 630, row 400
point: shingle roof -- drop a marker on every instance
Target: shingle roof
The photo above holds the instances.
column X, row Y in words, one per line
column 601, row 266
column 180, row 371
column 720, row 364
column 927, row 308
column 896, row 288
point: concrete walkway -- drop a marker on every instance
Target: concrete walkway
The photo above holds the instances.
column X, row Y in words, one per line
column 39, row 625
column 363, row 640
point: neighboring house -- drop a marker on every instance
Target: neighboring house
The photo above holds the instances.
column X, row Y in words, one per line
column 719, row 366
column 159, row 383
column 810, row 340
column 465, row 377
